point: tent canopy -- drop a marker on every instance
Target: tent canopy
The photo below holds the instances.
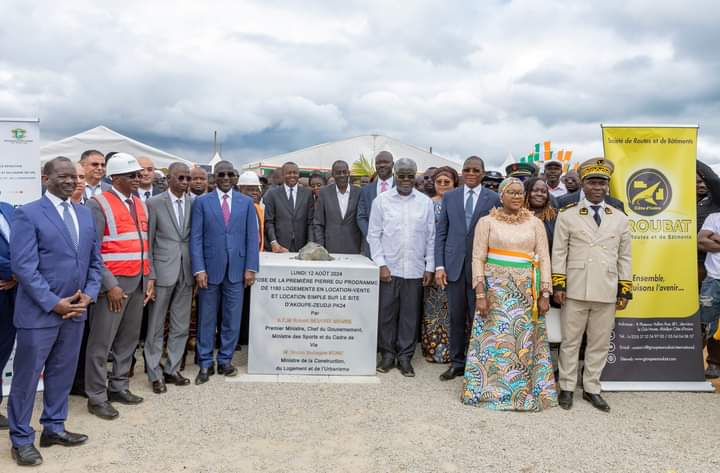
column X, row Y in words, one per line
column 320, row 157
column 106, row 140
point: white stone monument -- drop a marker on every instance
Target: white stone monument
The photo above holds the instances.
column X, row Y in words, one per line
column 314, row 317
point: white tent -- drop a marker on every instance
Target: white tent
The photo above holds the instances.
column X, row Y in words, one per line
column 320, row 157
column 215, row 159
column 106, row 140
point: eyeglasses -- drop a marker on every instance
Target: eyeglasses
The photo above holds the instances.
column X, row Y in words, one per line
column 131, row 175
column 472, row 170
column 406, row 176
column 183, row 178
column 443, row 182
column 222, row 175
column 514, row 194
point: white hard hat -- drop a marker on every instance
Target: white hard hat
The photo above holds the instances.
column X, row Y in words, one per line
column 122, row 163
column 248, row 178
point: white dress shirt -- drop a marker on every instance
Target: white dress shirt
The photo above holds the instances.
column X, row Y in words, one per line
column 476, row 195
column 558, row 191
column 587, row 203
column 5, row 227
column 57, row 203
column 379, row 184
column 91, row 190
column 343, row 199
column 294, row 196
column 401, row 233
column 122, row 196
column 229, row 200
column 142, row 192
column 174, row 200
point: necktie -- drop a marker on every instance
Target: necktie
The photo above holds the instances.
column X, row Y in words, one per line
column 147, row 195
column 69, row 223
column 469, row 208
column 131, row 205
column 383, row 186
column 596, row 215
column 226, row 209
column 292, row 201
column 181, row 215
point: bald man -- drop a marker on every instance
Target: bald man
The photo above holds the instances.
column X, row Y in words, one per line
column 147, row 176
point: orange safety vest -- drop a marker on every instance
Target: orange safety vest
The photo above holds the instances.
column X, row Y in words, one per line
column 261, row 224
column 125, row 245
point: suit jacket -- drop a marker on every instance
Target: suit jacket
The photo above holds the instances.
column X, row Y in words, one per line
column 335, row 233
column 223, row 251
column 109, row 280
column 453, row 240
column 6, row 297
column 574, row 198
column 7, row 211
column 588, row 261
column 291, row 227
column 367, row 195
column 47, row 265
column 169, row 242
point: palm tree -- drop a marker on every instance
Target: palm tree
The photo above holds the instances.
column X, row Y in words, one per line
column 363, row 167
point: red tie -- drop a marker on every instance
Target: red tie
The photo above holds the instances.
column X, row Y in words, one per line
column 225, row 209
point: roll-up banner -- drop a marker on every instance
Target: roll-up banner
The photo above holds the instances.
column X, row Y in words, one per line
column 656, row 344
column 19, row 181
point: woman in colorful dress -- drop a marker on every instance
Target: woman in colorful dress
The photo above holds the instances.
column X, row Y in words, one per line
column 508, row 362
column 436, row 322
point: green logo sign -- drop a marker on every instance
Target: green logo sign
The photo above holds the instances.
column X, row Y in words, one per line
column 18, row 133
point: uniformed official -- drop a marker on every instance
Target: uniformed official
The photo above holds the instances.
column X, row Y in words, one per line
column 591, row 264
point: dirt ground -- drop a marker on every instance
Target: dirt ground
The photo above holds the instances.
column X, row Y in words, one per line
column 398, row 424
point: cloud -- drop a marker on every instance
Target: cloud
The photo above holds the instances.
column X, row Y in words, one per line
column 466, row 78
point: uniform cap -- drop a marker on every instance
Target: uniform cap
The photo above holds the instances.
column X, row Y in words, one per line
column 596, row 167
column 248, row 178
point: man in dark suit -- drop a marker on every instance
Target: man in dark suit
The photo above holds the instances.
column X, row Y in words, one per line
column 455, row 232
column 384, row 170
column 336, row 225
column 169, row 236
column 56, row 260
column 288, row 213
column 7, row 296
column 224, row 250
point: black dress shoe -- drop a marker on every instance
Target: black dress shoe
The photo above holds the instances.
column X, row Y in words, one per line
column 66, row 439
column 27, row 455
column 159, row 387
column 211, row 369
column 124, row 397
column 597, row 401
column 386, row 364
column 227, row 370
column 203, row 376
column 565, row 400
column 103, row 410
column 406, row 368
column 4, row 424
column 452, row 373
column 177, row 379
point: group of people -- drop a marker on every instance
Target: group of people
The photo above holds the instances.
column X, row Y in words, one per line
column 467, row 271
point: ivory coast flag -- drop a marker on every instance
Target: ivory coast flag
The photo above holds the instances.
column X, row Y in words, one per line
column 655, row 178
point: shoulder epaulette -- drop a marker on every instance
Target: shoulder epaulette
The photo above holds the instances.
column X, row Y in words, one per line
column 568, row 206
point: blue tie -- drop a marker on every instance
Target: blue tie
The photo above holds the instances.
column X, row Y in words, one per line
column 469, row 209
column 67, row 218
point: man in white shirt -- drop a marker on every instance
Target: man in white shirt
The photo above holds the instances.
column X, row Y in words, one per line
column 709, row 242
column 335, row 221
column 401, row 235
column 94, row 163
column 146, row 189
column 553, row 171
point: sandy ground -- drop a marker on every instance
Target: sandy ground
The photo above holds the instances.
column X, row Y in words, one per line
column 398, row 424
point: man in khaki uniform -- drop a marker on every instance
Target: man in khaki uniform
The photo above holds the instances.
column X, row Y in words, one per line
column 592, row 278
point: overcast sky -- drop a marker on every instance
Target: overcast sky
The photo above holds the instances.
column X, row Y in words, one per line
column 465, row 77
